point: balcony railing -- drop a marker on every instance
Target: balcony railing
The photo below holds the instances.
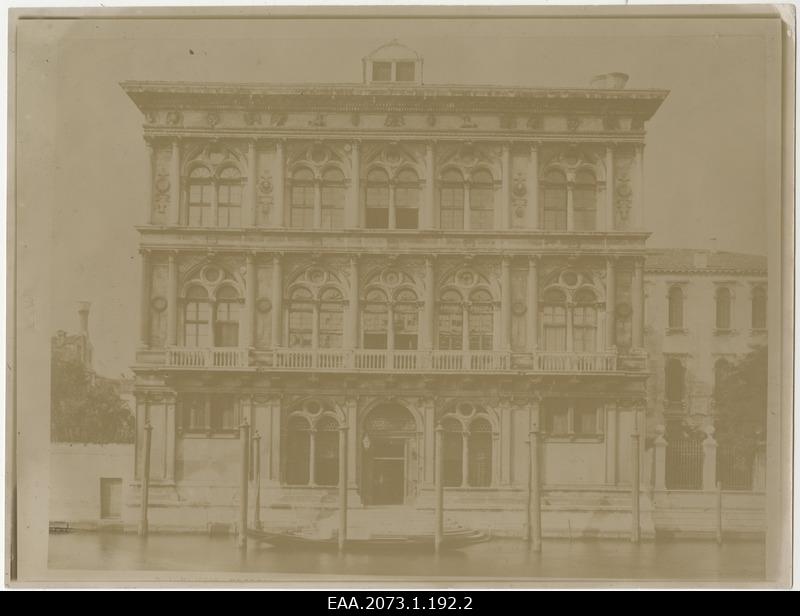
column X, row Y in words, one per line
column 381, row 360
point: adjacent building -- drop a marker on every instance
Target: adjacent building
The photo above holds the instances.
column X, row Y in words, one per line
column 379, row 259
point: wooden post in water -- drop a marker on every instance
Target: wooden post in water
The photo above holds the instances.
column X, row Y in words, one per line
column 635, row 462
column 529, row 490
column 439, row 481
column 244, row 434
column 719, row 512
column 536, row 488
column 342, row 487
column 148, row 439
column 257, row 479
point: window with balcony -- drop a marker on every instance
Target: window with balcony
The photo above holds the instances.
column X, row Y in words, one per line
column 584, row 198
column 451, row 200
column 207, row 192
column 675, row 308
column 405, row 71
column 723, row 305
column 481, row 320
column 406, row 198
column 554, row 186
column 377, row 199
column 375, row 320
column 333, row 194
column 406, row 320
column 331, row 319
column 211, row 321
column 301, row 317
column 584, row 322
column 209, row 414
column 450, row 321
column 758, row 319
column 226, row 318
column 554, row 320
column 481, row 200
column 197, row 318
column 381, row 71
column 301, row 211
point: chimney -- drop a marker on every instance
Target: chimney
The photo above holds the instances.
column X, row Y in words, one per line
column 83, row 314
column 610, row 81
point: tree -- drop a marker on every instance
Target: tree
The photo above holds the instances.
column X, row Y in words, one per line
column 85, row 408
column 741, row 400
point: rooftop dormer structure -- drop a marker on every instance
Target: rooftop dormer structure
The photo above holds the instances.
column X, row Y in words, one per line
column 393, row 63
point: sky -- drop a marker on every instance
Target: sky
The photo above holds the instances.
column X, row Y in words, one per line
column 705, row 176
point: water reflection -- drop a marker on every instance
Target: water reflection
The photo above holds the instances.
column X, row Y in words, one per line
column 509, row 558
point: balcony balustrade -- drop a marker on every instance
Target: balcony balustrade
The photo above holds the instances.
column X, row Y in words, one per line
column 400, row 361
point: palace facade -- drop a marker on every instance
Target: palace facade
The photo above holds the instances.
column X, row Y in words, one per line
column 380, row 259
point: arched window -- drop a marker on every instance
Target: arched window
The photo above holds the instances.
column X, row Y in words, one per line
column 226, row 320
column 200, row 197
column 197, row 318
column 452, row 444
column 555, row 201
column 451, row 321
column 376, row 320
column 406, row 320
column 554, row 321
column 301, row 316
column 406, row 200
column 229, row 198
column 759, row 308
column 333, row 197
column 377, row 199
column 723, row 308
column 301, row 213
column 674, row 380
column 451, row 200
column 480, row 453
column 584, row 322
column 481, row 200
column 331, row 314
column 584, row 201
column 481, row 321
column 298, row 452
column 675, row 300
column 326, row 452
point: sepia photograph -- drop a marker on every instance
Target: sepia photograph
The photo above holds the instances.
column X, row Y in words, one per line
column 408, row 297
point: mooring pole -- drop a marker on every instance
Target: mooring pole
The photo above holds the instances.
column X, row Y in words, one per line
column 635, row 463
column 439, row 480
column 244, row 433
column 529, row 491
column 148, row 439
column 257, row 479
column 719, row 512
column 536, row 489
column 342, row 487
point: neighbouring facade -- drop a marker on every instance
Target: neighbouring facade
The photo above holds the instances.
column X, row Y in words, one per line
column 383, row 258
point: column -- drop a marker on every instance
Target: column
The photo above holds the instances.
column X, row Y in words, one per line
column 353, row 307
column 533, row 303
column 175, row 184
column 637, row 299
column 351, row 408
column 570, row 307
column 505, row 302
column 429, row 417
column 636, row 464
column 248, row 333
column 150, row 195
column 279, row 183
column 429, row 214
column 611, row 303
column 277, row 301
column 505, row 219
column 611, row 442
column 392, row 206
column 638, row 194
column 169, row 437
column 505, row 443
column 533, row 187
column 172, row 300
column 312, row 460
column 466, row 206
column 429, row 307
column 570, row 204
column 709, row 460
column 609, row 209
column 244, row 482
column 535, row 479
column 249, row 215
column 464, row 458
column 351, row 214
column 144, row 295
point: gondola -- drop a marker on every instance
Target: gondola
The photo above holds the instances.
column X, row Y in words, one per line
column 451, row 540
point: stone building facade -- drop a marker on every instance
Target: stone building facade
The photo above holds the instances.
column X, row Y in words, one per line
column 383, row 258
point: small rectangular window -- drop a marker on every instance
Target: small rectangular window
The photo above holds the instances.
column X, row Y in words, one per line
column 404, row 71
column 381, row 71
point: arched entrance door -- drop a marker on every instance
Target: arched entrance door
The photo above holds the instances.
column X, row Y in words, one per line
column 389, row 456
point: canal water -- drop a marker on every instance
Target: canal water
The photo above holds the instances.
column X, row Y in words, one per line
column 689, row 560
